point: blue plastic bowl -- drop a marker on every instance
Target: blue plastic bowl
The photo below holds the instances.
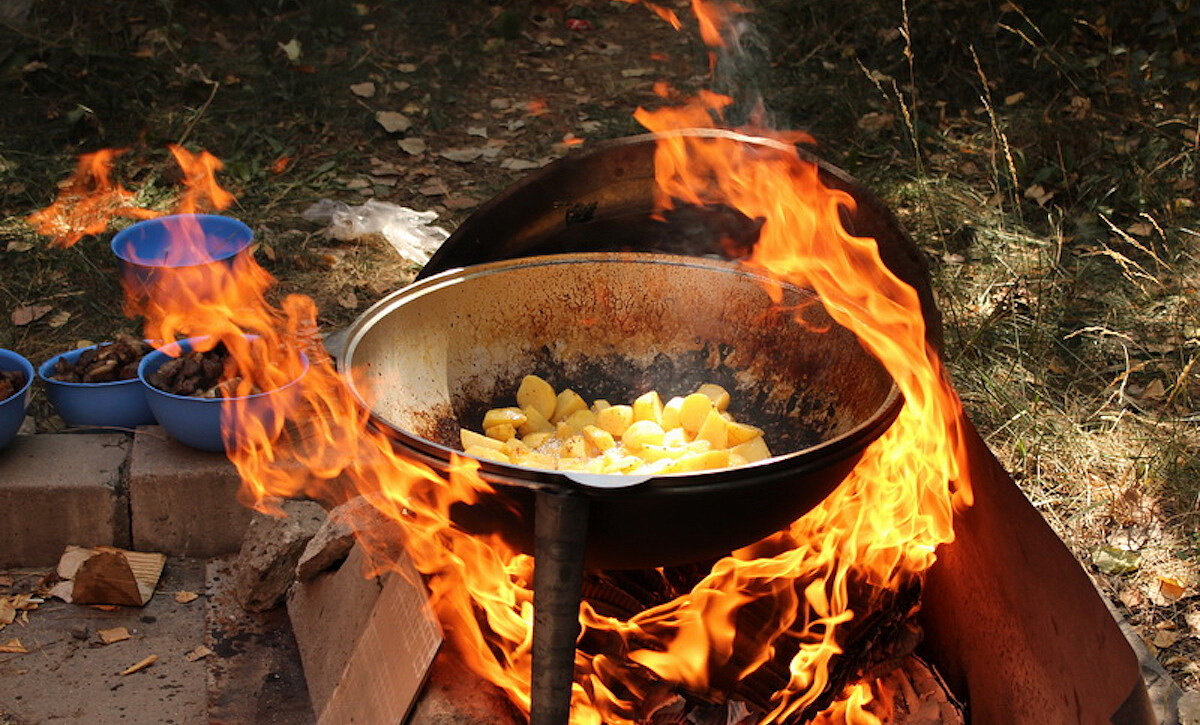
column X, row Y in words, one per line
column 196, row 422
column 12, row 408
column 149, row 246
column 116, row 404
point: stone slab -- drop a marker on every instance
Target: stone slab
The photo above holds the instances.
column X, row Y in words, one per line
column 183, row 502
column 60, row 489
column 328, row 612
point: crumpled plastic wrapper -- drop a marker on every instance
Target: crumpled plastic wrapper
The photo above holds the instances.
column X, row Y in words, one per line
column 407, row 230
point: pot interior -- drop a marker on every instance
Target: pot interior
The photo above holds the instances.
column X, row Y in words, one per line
column 435, row 356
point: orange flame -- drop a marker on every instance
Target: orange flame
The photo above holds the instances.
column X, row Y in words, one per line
column 87, row 202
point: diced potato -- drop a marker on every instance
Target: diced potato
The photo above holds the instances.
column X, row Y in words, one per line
column 651, row 452
column 615, row 419
column 640, row 433
column 735, row 460
column 648, row 406
column 538, row 460
column 752, row 450
column 714, row 430
column 670, row 413
column 581, row 419
column 676, row 438
column 471, row 439
column 718, row 395
column 490, row 453
column 699, row 446
column 568, row 402
column 575, row 447
column 693, row 411
column 739, row 433
column 537, row 394
column 654, row 467
column 502, row 432
column 516, row 448
column 535, row 422
column 572, row 464
column 534, row 440
column 600, row 404
column 496, row 416
column 601, row 439
column 701, row 461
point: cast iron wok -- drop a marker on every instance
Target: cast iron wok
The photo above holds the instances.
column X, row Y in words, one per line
column 432, row 357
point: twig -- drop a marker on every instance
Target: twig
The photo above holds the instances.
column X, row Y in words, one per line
column 200, row 113
column 987, row 104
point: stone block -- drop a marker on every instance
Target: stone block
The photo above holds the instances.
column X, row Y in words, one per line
column 60, row 489
column 183, row 502
column 266, row 565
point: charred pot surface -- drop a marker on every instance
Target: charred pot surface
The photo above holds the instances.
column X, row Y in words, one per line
column 435, row 356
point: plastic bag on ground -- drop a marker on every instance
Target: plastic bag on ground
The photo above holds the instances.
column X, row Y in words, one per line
column 407, row 230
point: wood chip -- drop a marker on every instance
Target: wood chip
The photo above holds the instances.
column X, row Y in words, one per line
column 116, row 634
column 13, row 646
column 363, row 90
column 198, row 653
column 185, row 597
column 143, row 664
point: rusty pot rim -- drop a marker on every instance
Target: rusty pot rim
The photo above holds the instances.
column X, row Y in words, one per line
column 843, row 445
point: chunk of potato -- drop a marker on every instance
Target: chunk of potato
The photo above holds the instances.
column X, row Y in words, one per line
column 670, row 413
column 648, row 406
column 497, row 416
column 490, row 453
column 642, row 432
column 718, row 395
column 599, row 438
column 471, row 439
column 739, row 433
column 693, row 411
column 615, row 419
column 752, row 450
column 701, row 461
column 535, row 422
column 502, row 432
column 580, row 419
column 714, row 430
column 535, row 440
column 537, row 394
column 568, row 402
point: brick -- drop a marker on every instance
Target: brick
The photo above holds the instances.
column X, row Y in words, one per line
column 266, row 565
column 183, row 502
column 59, row 489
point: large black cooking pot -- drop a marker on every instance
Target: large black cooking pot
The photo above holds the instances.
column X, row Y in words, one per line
column 433, row 357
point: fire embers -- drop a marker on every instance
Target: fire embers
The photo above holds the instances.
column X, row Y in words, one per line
column 103, row 364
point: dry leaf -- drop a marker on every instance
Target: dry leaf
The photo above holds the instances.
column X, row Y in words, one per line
column 462, row 155
column 1171, row 589
column 636, row 72
column 1155, row 390
column 198, row 653
column 434, row 187
column 143, row 664
column 1192, row 617
column 1014, row 99
column 518, row 164
column 480, row 131
column 874, row 122
column 292, row 49
column 116, row 634
column 406, row 67
column 1140, row 229
column 1038, row 193
column 18, row 246
column 29, row 313
column 58, row 319
column 413, row 146
column 393, row 122
column 184, row 597
column 348, row 300
column 1165, row 638
column 363, row 90
column 8, row 612
column 14, row 647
